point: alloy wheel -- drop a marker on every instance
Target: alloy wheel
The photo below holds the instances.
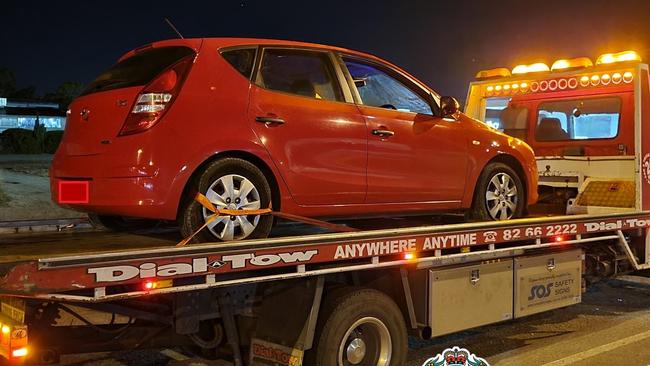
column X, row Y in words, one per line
column 233, row 192
column 501, row 197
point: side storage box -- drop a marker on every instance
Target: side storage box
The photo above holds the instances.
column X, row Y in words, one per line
column 470, row 296
column 548, row 281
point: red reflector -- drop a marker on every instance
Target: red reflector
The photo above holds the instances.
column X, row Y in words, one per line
column 74, row 191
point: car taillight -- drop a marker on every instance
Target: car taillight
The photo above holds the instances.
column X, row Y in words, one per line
column 156, row 98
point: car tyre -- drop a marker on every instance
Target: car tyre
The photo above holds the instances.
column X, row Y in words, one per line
column 239, row 175
column 499, row 195
column 359, row 326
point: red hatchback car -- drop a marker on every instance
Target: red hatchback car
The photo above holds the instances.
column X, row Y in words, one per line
column 318, row 131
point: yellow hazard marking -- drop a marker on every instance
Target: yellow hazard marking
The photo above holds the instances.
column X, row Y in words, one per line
column 608, row 194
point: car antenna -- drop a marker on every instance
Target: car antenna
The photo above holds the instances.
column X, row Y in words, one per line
column 174, row 28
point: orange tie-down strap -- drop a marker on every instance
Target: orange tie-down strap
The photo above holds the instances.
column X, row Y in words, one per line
column 203, row 201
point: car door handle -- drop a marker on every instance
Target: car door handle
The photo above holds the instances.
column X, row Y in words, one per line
column 383, row 133
column 269, row 120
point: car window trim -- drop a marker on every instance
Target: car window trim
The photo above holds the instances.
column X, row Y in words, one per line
column 401, row 77
column 349, row 80
column 618, row 127
column 244, row 47
column 347, row 97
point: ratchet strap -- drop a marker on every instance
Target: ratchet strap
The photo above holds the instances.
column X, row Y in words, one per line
column 205, row 202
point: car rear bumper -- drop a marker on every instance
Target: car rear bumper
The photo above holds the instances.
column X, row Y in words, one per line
column 134, row 191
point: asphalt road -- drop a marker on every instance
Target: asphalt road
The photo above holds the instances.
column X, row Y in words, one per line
column 610, row 327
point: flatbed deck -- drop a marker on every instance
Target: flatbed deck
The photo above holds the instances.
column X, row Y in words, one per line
column 32, row 246
column 100, row 270
column 36, row 245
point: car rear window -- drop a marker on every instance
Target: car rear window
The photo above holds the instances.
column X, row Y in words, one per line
column 139, row 69
column 241, row 59
column 299, row 72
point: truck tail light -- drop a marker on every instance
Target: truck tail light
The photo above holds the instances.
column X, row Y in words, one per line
column 13, row 340
column 153, row 285
column 157, row 97
column 19, row 352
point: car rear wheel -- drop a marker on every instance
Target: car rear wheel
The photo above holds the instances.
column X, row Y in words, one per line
column 499, row 194
column 234, row 184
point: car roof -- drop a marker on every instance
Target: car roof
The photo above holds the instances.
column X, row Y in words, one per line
column 228, row 42
column 224, row 42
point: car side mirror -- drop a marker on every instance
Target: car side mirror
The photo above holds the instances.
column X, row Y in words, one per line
column 449, row 106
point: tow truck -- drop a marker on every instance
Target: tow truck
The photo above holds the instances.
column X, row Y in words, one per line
column 352, row 298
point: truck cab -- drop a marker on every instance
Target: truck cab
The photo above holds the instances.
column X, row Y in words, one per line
column 586, row 122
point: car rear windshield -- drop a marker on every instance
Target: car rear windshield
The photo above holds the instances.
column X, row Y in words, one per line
column 139, row 69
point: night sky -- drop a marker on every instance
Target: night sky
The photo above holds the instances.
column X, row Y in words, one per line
column 443, row 43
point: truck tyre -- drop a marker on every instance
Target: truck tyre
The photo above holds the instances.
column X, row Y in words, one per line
column 359, row 327
column 499, row 195
column 234, row 184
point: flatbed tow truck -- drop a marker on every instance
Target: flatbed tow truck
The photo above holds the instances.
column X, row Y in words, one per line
column 335, row 298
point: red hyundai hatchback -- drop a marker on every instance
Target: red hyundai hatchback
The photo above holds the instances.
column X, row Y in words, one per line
column 318, row 131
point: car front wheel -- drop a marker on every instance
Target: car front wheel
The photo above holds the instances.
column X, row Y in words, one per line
column 499, row 194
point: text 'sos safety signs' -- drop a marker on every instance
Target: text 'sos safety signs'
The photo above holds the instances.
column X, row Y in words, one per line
column 547, row 282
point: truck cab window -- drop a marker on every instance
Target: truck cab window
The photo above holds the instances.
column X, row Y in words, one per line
column 493, row 111
column 514, row 121
column 582, row 119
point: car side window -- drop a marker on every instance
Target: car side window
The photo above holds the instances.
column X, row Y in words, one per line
column 379, row 89
column 300, row 72
column 241, row 59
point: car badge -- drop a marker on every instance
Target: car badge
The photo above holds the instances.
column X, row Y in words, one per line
column 85, row 113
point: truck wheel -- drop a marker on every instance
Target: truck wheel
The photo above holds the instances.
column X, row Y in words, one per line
column 499, row 195
column 359, row 327
column 234, row 184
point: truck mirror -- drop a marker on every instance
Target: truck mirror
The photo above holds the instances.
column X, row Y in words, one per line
column 576, row 112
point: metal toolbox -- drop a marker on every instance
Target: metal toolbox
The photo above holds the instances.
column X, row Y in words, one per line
column 470, row 296
column 546, row 282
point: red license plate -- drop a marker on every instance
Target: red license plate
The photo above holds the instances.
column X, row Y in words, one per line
column 74, row 191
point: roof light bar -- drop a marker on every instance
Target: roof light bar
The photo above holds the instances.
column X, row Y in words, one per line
column 526, row 69
column 560, row 65
column 500, row 72
column 625, row 56
column 574, row 63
